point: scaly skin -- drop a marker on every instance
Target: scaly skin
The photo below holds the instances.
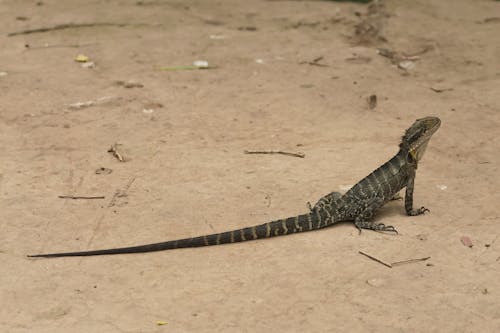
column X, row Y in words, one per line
column 359, row 204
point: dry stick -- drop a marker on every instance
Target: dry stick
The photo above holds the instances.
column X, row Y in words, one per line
column 375, row 259
column 59, row 46
column 80, row 197
column 114, row 151
column 66, row 26
column 409, row 261
column 301, row 155
column 314, row 62
column 438, row 90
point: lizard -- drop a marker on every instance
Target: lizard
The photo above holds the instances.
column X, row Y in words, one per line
column 357, row 205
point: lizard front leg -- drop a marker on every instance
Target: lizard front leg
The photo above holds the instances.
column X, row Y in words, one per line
column 409, row 199
column 364, row 219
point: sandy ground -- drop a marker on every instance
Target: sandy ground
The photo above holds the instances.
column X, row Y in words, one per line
column 289, row 75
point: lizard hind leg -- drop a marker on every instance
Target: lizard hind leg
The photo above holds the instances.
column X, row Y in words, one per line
column 364, row 219
column 327, row 202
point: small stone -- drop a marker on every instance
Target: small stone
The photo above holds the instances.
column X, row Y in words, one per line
column 422, row 237
column 89, row 64
column 372, row 101
column 466, row 241
column 103, row 171
column 406, row 65
column 217, row 37
column 200, row 63
column 375, row 282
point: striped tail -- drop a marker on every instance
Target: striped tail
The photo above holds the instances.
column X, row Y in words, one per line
column 314, row 220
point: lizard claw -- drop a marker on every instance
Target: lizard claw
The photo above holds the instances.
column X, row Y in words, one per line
column 419, row 211
column 359, row 228
column 422, row 210
column 385, row 228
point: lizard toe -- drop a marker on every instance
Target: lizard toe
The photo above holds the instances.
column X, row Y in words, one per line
column 385, row 228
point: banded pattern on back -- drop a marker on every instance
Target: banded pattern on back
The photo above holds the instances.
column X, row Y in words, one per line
column 384, row 182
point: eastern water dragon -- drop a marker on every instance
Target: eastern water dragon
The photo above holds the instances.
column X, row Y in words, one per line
column 358, row 204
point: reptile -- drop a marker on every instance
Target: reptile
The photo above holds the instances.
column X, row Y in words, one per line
column 357, row 205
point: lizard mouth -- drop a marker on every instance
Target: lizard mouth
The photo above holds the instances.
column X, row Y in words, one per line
column 431, row 123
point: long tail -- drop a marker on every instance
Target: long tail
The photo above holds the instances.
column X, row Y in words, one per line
column 316, row 219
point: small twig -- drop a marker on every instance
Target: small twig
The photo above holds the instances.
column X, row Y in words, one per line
column 184, row 68
column 114, row 151
column 409, row 261
column 80, row 197
column 375, row 259
column 46, row 46
column 301, row 155
column 440, row 90
column 314, row 62
column 68, row 26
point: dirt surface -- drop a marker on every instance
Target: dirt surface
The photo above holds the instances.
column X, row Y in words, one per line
column 295, row 76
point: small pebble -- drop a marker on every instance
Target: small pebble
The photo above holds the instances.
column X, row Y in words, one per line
column 406, row 65
column 89, row 64
column 422, row 237
column 375, row 282
column 201, row 63
column 466, row 241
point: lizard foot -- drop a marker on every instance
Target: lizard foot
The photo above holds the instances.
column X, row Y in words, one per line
column 380, row 227
column 385, row 228
column 420, row 211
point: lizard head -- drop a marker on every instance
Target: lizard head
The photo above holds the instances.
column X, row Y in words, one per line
column 416, row 138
